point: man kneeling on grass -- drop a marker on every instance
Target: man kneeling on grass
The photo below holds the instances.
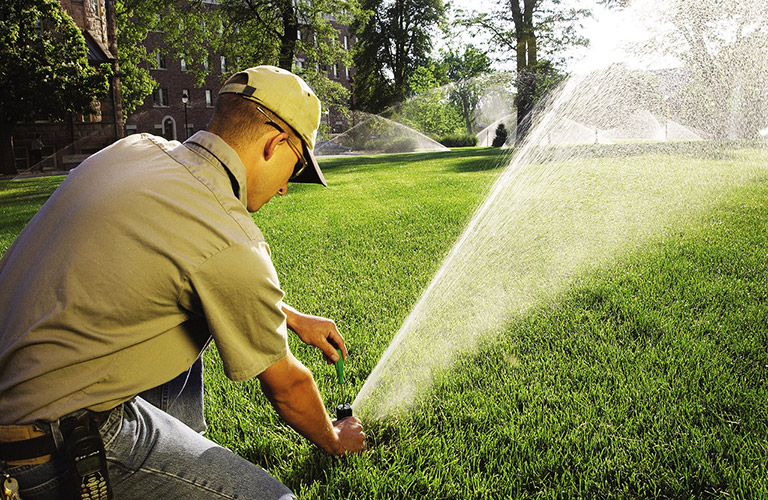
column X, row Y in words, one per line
column 108, row 297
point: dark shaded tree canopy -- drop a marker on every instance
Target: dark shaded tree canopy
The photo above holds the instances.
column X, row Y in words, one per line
column 44, row 69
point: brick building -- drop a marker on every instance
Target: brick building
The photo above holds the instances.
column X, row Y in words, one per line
column 166, row 113
column 68, row 142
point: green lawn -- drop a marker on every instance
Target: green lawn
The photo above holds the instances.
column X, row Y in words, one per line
column 642, row 379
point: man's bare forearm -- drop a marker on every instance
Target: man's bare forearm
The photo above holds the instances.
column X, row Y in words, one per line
column 291, row 389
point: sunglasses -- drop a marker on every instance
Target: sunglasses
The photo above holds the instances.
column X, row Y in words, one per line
column 302, row 163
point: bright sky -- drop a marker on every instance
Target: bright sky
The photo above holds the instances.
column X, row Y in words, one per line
column 608, row 31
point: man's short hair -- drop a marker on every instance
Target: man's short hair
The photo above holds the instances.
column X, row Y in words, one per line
column 238, row 120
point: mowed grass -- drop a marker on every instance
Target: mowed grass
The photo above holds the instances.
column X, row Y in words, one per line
column 643, row 380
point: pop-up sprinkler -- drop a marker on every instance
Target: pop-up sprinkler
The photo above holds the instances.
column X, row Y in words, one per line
column 343, row 410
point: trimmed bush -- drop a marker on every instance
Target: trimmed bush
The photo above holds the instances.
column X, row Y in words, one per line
column 501, row 136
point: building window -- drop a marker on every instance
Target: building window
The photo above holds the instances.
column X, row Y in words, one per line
column 346, row 42
column 208, row 99
column 223, row 64
column 299, row 64
column 183, row 63
column 159, row 60
column 160, row 98
column 346, row 72
column 97, row 15
column 336, row 71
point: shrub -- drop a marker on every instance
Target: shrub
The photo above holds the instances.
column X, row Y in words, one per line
column 459, row 140
column 501, row 136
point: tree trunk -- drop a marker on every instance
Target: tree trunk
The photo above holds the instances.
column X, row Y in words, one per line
column 467, row 111
column 526, row 85
column 288, row 40
column 526, row 58
column 7, row 158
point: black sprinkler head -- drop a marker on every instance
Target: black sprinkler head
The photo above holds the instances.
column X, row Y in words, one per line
column 344, row 410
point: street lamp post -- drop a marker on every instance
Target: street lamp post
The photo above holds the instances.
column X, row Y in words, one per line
column 185, row 100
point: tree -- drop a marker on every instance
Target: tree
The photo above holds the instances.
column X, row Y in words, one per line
column 44, row 70
column 464, row 71
column 528, row 29
column 394, row 38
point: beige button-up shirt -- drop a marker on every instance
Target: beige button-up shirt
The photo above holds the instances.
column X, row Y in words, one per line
column 144, row 253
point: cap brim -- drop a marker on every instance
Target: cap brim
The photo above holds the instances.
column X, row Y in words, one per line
column 311, row 174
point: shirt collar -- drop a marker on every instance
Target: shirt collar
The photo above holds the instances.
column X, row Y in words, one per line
column 218, row 152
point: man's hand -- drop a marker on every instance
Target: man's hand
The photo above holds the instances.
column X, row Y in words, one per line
column 289, row 386
column 316, row 331
column 350, row 433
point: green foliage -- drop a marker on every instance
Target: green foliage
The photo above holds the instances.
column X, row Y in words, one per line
column 459, row 141
column 427, row 77
column 431, row 113
column 134, row 19
column 245, row 33
column 501, row 136
column 464, row 71
column 394, row 38
column 194, row 31
column 44, row 68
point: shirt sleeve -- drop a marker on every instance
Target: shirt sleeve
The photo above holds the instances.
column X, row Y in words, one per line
column 238, row 292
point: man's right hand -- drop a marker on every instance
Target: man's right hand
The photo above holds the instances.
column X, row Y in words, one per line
column 291, row 389
column 350, row 433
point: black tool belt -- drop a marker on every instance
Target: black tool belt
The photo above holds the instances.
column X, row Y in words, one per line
column 34, row 444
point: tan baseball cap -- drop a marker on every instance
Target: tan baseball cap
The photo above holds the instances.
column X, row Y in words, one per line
column 290, row 98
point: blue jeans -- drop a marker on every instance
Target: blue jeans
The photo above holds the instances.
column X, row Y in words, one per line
column 152, row 454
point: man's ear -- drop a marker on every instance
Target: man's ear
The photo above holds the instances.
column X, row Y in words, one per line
column 270, row 146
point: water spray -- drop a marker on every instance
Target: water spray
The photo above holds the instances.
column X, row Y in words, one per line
column 344, row 409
